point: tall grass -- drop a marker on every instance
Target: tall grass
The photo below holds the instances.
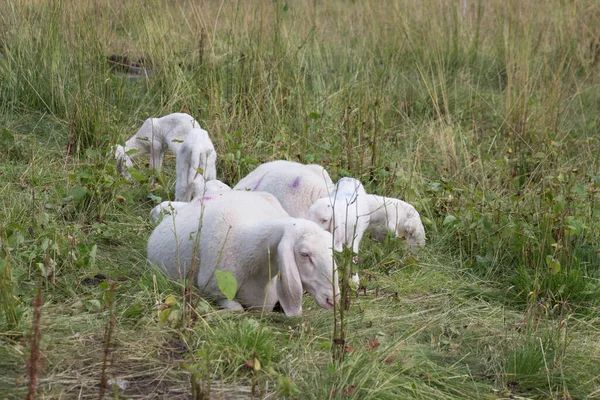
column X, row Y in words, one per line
column 484, row 117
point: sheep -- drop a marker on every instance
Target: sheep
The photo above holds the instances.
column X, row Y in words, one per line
column 295, row 185
column 273, row 256
column 345, row 213
column 347, row 207
column 196, row 152
column 307, row 191
column 397, row 216
column 155, row 136
column 171, row 207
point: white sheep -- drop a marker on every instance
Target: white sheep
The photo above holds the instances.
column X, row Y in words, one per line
column 273, row 256
column 171, row 207
column 155, row 136
column 345, row 213
column 397, row 216
column 196, row 153
column 346, row 210
column 307, row 191
column 295, row 185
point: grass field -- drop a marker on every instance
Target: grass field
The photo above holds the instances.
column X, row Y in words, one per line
column 485, row 115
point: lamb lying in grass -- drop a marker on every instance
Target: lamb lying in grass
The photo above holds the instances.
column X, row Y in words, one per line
column 273, row 256
column 295, row 185
column 307, row 191
column 171, row 207
column 196, row 154
column 397, row 216
column 155, row 136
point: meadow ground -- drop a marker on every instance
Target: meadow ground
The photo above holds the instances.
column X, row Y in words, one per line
column 483, row 114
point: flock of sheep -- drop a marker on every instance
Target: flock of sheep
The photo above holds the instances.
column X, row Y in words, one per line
column 274, row 230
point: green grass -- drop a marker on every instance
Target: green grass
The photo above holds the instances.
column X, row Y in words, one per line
column 487, row 122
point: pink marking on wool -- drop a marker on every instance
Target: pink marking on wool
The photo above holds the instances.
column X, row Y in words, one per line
column 296, row 183
column 206, row 198
column 259, row 182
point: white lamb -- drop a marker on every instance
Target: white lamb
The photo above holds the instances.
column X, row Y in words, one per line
column 295, row 185
column 298, row 187
column 346, row 213
column 155, row 136
column 346, row 210
column 306, row 191
column 397, row 216
column 171, row 207
column 196, row 153
column 273, row 256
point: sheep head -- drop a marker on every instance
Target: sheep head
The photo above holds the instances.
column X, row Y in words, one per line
column 306, row 263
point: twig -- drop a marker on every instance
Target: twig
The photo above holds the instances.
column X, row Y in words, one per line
column 109, row 330
column 34, row 359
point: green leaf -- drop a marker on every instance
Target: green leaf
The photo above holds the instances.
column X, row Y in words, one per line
column 155, row 199
column 92, row 256
column 163, row 316
column 93, row 305
column 579, row 189
column 227, row 283
column 553, row 264
column 132, row 151
column 133, row 310
column 325, row 345
column 314, row 115
column 137, row 175
column 174, row 318
column 449, row 220
column 79, row 193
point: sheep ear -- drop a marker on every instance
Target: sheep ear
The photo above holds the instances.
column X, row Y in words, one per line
column 289, row 285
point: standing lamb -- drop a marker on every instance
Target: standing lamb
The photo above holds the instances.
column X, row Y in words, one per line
column 397, row 216
column 155, row 136
column 196, row 153
column 273, row 256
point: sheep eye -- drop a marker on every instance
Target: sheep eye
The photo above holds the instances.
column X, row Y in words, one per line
column 304, row 253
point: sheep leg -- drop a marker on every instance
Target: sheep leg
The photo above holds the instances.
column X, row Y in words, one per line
column 230, row 305
column 156, row 158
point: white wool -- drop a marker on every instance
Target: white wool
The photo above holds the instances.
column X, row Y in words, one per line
column 397, row 216
column 273, row 256
column 295, row 185
column 155, row 136
column 196, row 154
column 345, row 213
column 171, row 207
